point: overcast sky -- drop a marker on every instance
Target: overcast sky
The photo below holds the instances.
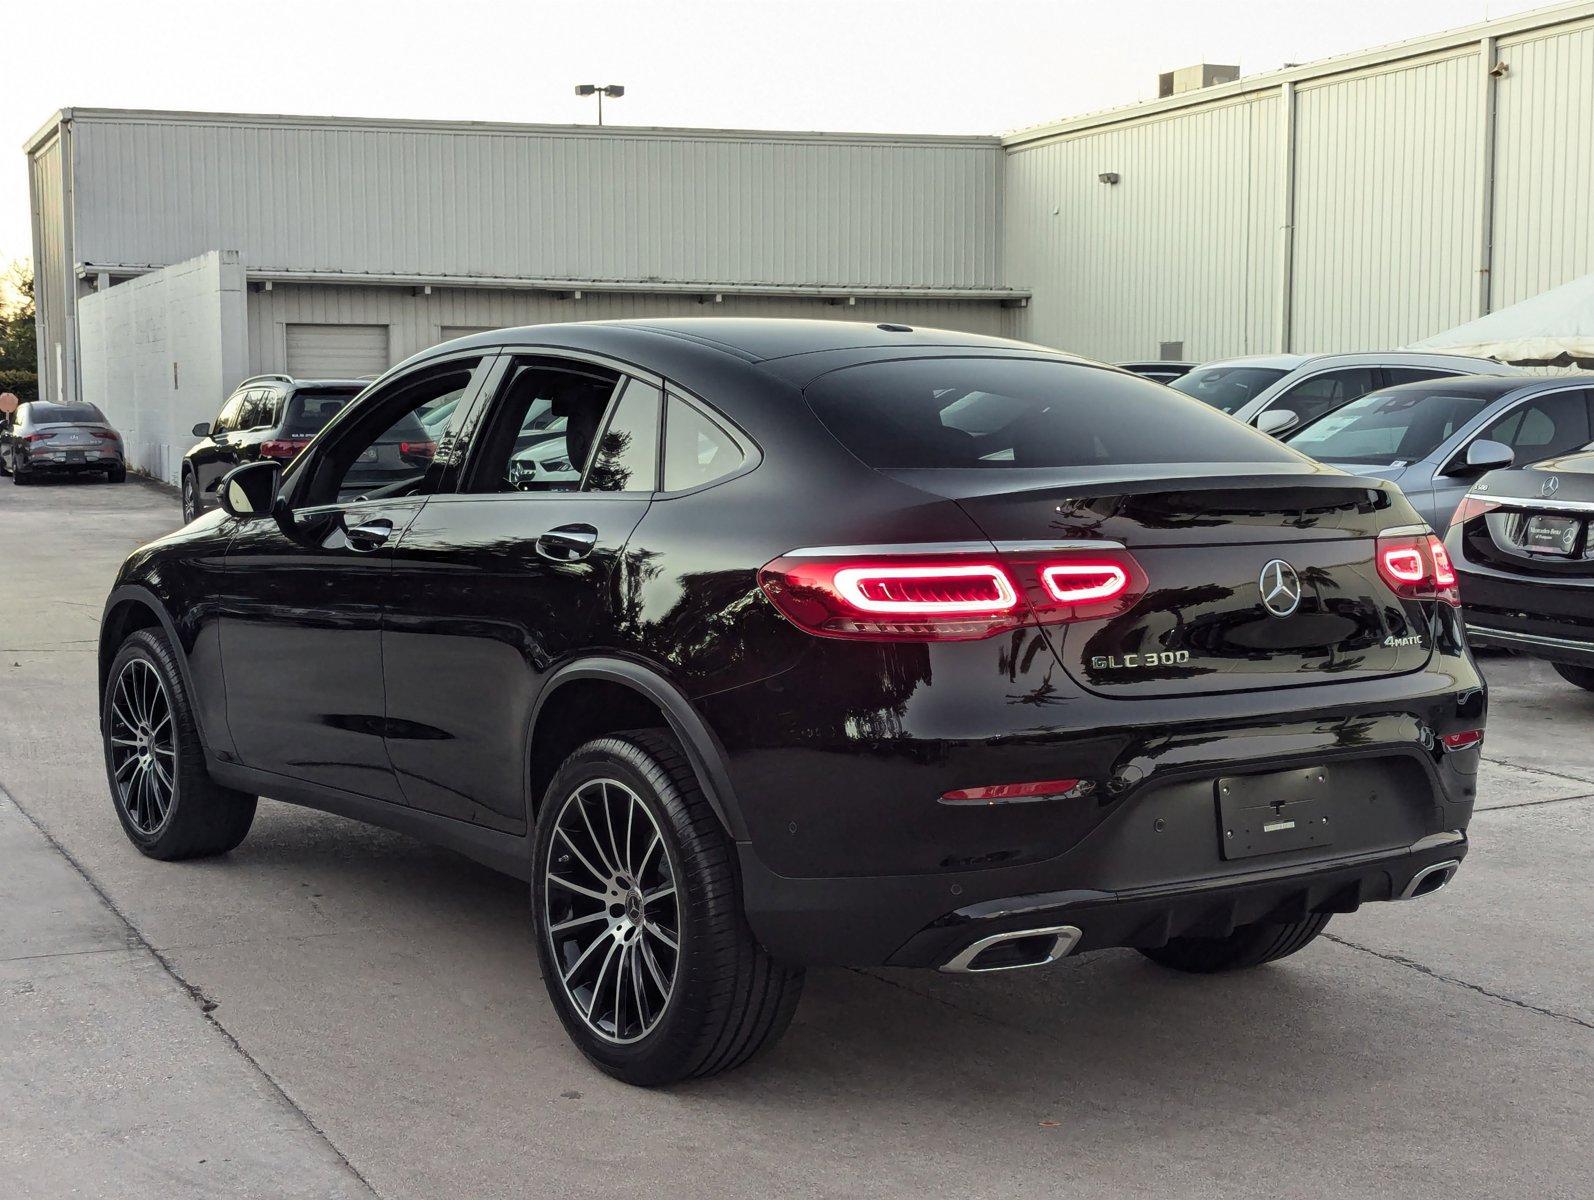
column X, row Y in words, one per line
column 931, row 66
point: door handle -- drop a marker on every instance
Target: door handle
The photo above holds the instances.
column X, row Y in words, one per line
column 567, row 543
column 370, row 534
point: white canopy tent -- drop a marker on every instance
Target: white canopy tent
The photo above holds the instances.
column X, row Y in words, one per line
column 1553, row 329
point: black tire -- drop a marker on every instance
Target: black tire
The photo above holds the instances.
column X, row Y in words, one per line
column 1582, row 676
column 116, row 475
column 19, row 477
column 193, row 506
column 1247, row 946
column 727, row 998
column 201, row 818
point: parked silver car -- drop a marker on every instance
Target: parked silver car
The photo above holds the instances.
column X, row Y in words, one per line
column 43, row 437
column 1292, row 389
column 1435, row 438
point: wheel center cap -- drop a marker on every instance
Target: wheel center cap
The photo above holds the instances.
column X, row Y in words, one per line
column 633, row 907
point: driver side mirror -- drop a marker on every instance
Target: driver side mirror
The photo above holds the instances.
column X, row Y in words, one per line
column 202, row 429
column 1276, row 421
column 250, row 491
column 1485, row 455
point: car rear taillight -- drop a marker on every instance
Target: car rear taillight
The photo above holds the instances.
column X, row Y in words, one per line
column 283, row 447
column 38, row 437
column 106, row 435
column 906, row 597
column 1472, row 506
column 1417, row 567
column 417, row 449
column 1465, row 740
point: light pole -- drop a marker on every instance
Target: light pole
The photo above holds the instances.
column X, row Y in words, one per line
column 612, row 90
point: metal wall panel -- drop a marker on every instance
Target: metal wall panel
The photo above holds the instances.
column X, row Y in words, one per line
column 1386, row 205
column 418, row 321
column 1544, row 166
column 53, row 285
column 540, row 203
column 1183, row 248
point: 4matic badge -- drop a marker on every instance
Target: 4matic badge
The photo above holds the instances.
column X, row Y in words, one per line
column 1414, row 639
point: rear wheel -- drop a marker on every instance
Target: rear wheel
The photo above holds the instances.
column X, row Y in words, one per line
column 192, row 508
column 116, row 475
column 1582, row 676
column 1247, row 946
column 169, row 806
column 19, row 476
column 644, row 948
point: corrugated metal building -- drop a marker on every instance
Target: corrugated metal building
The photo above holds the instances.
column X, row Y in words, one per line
column 1360, row 202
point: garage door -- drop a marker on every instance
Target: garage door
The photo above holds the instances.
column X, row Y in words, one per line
column 337, row 351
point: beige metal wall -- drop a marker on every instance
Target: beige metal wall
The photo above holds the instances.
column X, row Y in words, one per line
column 53, row 281
column 418, row 321
column 1183, row 248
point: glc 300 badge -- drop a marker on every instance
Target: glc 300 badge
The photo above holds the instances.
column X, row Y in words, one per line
column 1139, row 662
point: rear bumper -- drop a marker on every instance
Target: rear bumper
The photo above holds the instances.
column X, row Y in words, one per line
column 1574, row 651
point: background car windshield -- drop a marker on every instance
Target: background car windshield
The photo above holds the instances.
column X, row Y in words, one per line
column 311, row 408
column 1387, row 427
column 994, row 413
column 1227, row 388
column 42, row 413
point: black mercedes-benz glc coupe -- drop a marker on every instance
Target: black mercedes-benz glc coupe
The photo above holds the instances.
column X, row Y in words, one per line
column 1523, row 542
column 838, row 644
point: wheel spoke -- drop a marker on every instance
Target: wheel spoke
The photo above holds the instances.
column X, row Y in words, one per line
column 576, row 887
column 659, row 893
column 637, row 989
column 600, row 876
column 582, row 958
column 661, row 935
column 608, row 820
column 642, row 867
column 646, row 953
column 574, row 922
column 597, row 846
column 597, row 983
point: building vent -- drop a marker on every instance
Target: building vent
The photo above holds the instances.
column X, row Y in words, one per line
column 1190, row 79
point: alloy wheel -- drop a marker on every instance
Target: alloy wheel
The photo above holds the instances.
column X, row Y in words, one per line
column 143, row 746
column 190, row 498
column 613, row 913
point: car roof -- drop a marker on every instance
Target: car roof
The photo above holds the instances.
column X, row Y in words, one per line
column 1486, row 387
column 1354, row 358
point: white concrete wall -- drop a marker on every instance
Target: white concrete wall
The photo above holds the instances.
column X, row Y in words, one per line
column 161, row 352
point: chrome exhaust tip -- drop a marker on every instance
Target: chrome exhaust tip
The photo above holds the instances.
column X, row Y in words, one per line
column 1430, row 879
column 1015, row 951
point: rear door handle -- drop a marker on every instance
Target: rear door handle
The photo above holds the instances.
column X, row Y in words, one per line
column 567, row 543
column 370, row 534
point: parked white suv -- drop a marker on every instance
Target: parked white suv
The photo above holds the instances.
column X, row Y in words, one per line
column 1292, row 389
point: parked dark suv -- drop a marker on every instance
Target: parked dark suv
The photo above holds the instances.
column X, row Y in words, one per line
column 267, row 416
column 847, row 644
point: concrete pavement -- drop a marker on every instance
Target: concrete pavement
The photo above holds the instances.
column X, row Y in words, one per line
column 378, row 1016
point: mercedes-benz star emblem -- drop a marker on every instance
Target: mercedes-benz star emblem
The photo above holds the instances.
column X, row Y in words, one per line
column 1281, row 588
column 1550, row 486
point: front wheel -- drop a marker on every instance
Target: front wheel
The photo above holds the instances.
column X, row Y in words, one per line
column 644, row 947
column 167, row 802
column 1582, row 676
column 192, row 508
column 1247, row 946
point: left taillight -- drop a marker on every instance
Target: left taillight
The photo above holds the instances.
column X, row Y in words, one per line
column 283, row 447
column 902, row 597
column 1417, row 567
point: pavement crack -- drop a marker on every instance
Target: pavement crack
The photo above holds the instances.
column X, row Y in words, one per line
column 1506, row 762
column 1412, row 964
column 1503, row 808
column 137, row 940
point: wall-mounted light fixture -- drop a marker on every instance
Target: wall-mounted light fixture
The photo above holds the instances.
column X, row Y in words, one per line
column 1108, row 177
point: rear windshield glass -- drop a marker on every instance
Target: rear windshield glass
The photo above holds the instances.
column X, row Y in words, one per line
column 42, row 413
column 1227, row 388
column 991, row 413
column 1387, row 427
column 311, row 408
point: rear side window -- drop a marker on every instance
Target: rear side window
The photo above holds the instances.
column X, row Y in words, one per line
column 1004, row 413
column 309, row 409
column 696, row 449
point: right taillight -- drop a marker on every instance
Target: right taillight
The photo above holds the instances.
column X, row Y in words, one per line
column 1417, row 567
column 283, row 447
column 903, row 596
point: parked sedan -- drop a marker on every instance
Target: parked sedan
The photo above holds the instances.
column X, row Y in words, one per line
column 1281, row 392
column 1523, row 547
column 1435, row 439
column 45, row 438
column 847, row 644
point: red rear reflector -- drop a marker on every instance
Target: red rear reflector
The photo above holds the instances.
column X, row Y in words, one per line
column 1417, row 568
column 1007, row 793
column 1462, row 741
column 283, row 447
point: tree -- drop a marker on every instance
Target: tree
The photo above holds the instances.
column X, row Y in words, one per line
column 19, row 351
